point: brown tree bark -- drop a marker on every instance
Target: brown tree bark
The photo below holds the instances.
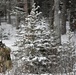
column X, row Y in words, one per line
column 63, row 17
column 5, row 11
column 9, row 9
column 51, row 15
column 26, row 7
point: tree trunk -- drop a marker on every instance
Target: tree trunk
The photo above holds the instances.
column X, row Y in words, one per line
column 63, row 25
column 51, row 15
column 57, row 22
column 9, row 9
column 0, row 20
column 69, row 15
column 17, row 21
column 5, row 11
column 26, row 7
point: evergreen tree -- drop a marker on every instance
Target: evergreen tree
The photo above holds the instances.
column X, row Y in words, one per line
column 38, row 45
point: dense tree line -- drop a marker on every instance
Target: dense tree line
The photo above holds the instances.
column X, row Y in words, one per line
column 46, row 7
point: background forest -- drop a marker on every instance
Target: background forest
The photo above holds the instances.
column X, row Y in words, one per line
column 41, row 35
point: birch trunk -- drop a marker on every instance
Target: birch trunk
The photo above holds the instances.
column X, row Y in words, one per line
column 57, row 22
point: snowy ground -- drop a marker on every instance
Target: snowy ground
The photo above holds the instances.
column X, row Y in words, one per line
column 10, row 31
column 64, row 38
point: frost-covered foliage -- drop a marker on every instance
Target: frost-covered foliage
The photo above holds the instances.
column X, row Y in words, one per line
column 67, row 55
column 35, row 44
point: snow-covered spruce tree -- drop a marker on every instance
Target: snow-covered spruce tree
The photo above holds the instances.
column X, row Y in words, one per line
column 37, row 46
column 25, row 44
column 67, row 55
